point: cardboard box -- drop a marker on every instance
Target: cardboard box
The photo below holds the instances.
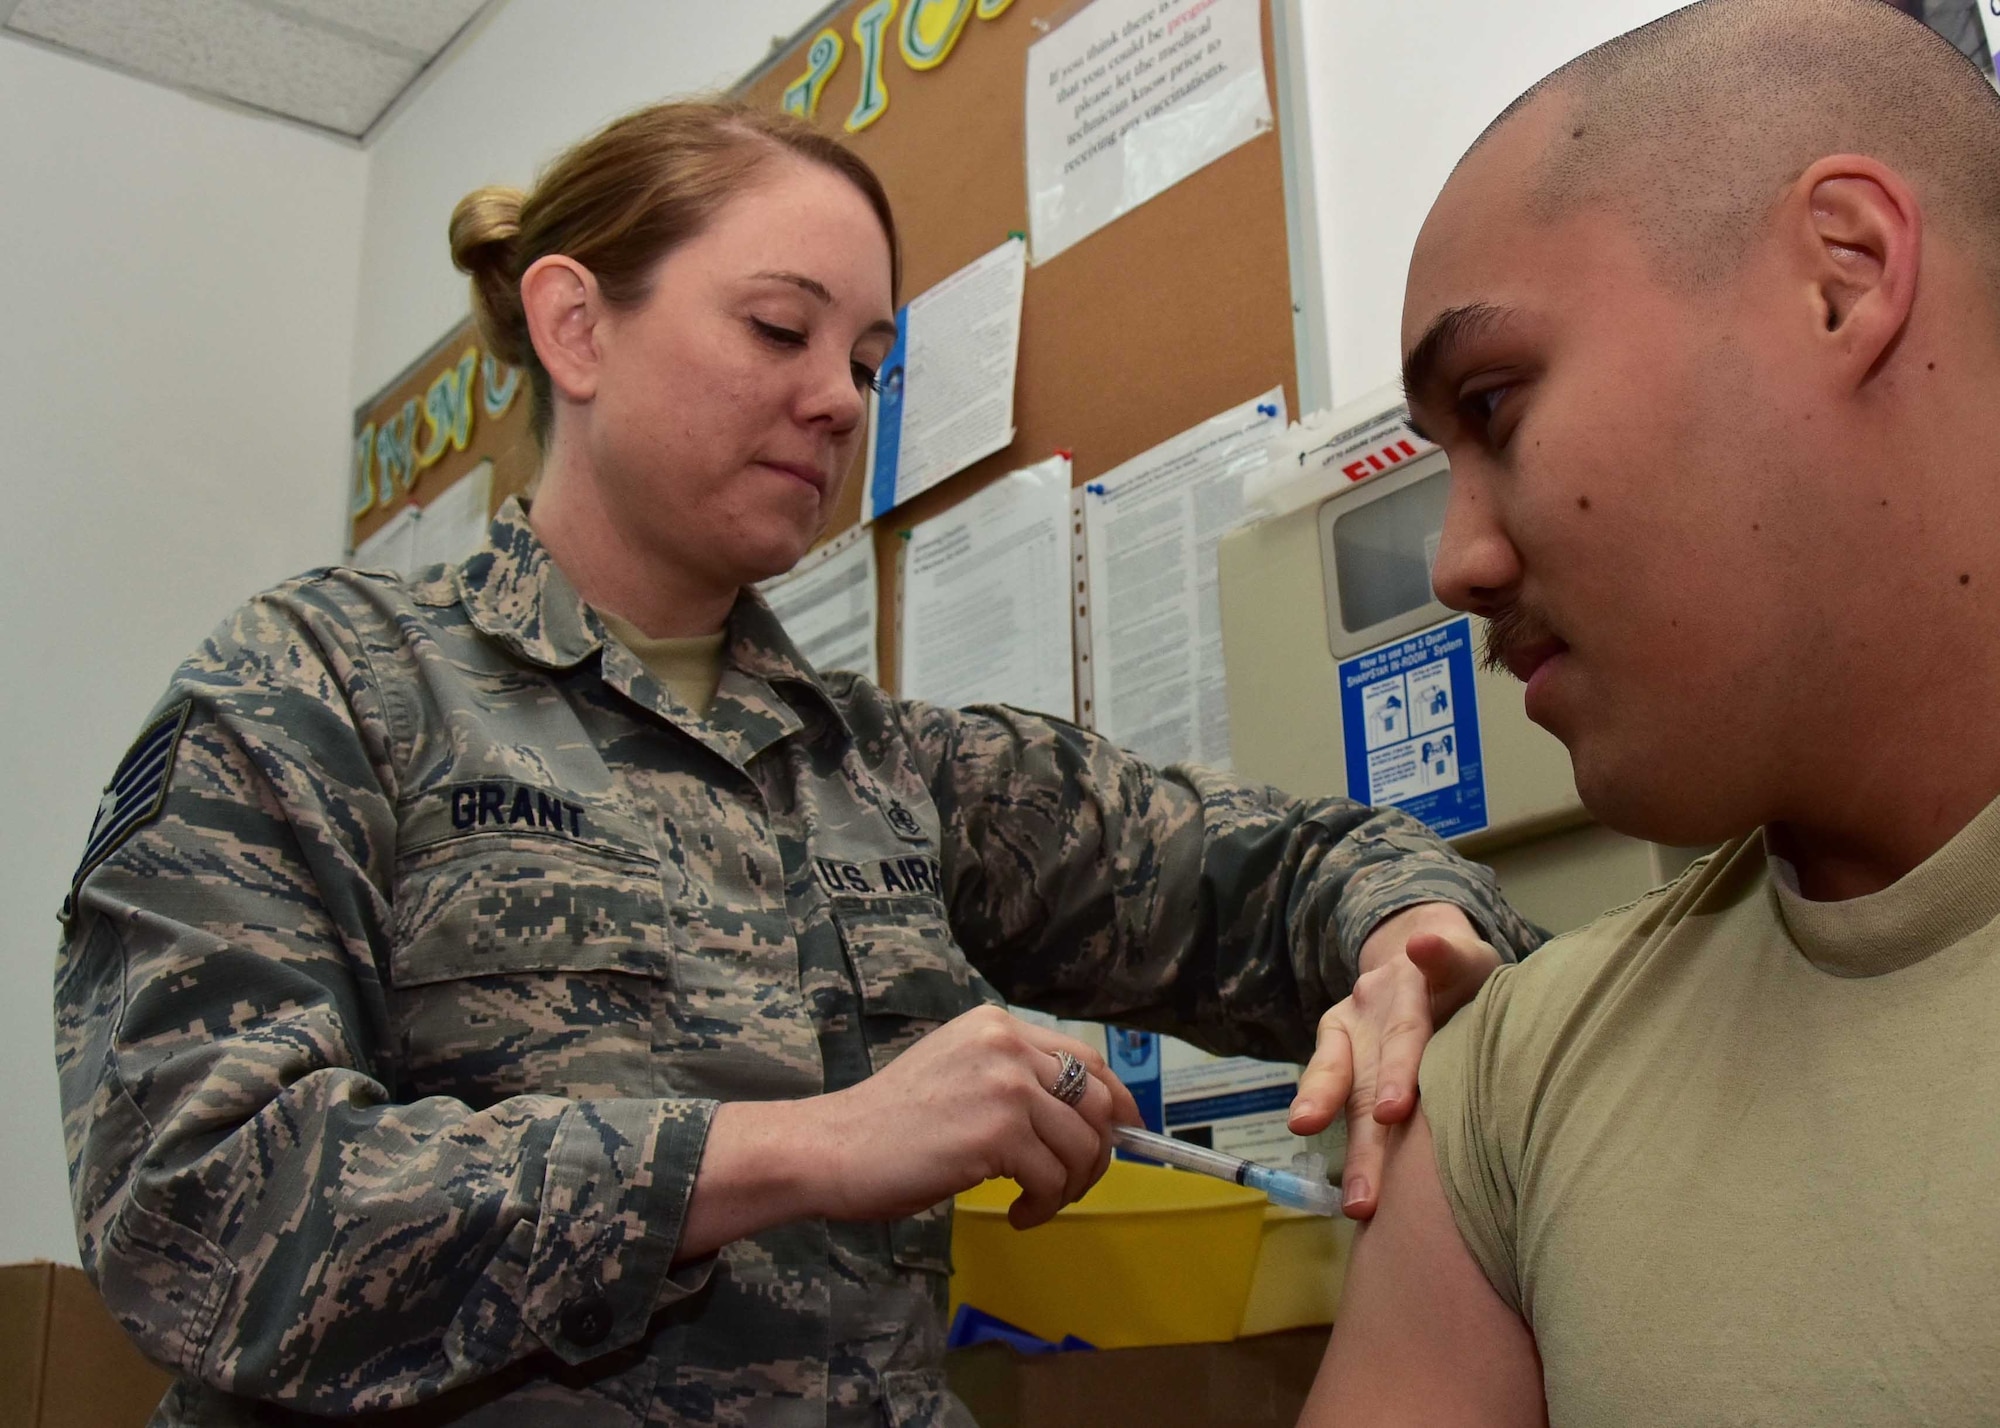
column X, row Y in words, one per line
column 64, row 1362
column 1259, row 1382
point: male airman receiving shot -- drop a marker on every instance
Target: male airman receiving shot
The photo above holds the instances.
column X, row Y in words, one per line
column 1707, row 322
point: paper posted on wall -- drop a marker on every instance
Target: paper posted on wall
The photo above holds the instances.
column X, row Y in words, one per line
column 1410, row 712
column 827, row 604
column 393, row 546
column 444, row 532
column 946, row 389
column 454, row 524
column 1233, row 1104
column 1129, row 97
column 986, row 611
column 1150, row 531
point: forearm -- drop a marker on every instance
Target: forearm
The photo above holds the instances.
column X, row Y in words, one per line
column 1085, row 882
column 766, row 1163
column 1392, row 933
column 1415, row 870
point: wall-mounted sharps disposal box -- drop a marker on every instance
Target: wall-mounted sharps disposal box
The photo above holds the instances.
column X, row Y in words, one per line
column 1347, row 676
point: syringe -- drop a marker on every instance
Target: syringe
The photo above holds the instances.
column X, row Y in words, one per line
column 1303, row 1187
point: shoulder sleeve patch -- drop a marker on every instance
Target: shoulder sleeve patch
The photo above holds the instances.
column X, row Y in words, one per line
column 135, row 795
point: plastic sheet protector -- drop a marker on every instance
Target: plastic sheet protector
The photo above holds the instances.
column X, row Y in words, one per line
column 1127, row 98
column 946, row 389
column 986, row 611
column 827, row 604
column 1155, row 614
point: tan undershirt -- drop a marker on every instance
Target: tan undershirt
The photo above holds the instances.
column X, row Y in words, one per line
column 1735, row 1155
column 690, row 667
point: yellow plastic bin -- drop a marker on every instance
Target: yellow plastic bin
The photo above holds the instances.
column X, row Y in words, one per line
column 1149, row 1256
column 1301, row 1266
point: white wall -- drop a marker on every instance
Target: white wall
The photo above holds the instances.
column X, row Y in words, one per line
column 178, row 283
column 537, row 77
column 1397, row 92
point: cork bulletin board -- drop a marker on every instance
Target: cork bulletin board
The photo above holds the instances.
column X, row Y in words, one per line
column 454, row 408
column 1157, row 321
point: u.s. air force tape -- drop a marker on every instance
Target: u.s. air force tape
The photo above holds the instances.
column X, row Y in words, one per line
column 135, row 795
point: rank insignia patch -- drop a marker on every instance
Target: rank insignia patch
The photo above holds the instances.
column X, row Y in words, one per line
column 135, row 794
column 904, row 822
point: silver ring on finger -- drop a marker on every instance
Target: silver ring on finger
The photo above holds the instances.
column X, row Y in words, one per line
column 1072, row 1079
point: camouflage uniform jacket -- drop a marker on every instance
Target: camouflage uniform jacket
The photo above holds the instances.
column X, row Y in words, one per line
column 423, row 931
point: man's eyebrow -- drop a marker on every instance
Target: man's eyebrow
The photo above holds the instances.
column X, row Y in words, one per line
column 819, row 290
column 1449, row 330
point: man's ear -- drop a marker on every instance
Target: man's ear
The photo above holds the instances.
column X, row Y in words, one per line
column 1862, row 249
column 560, row 297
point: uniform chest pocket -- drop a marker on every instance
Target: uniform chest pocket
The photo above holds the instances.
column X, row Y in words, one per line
column 911, row 974
column 526, row 965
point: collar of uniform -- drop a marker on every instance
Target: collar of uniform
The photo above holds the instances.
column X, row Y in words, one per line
column 1937, row 904
column 760, row 663
column 758, row 645
column 767, row 692
column 516, row 594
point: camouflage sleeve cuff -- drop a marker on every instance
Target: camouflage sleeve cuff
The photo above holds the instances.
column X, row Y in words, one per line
column 614, row 1197
column 1424, row 877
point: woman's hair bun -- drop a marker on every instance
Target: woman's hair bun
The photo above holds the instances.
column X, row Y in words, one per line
column 485, row 233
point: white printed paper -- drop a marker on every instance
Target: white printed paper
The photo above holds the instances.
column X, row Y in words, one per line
column 827, row 604
column 1128, row 98
column 446, row 531
column 1243, row 1104
column 986, row 607
column 1233, row 1103
column 454, row 525
column 393, row 546
column 1150, row 532
column 947, row 394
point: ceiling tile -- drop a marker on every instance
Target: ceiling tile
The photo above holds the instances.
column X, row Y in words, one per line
column 232, row 48
column 421, row 26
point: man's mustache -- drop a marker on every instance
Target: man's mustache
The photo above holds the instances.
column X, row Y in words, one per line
column 1515, row 627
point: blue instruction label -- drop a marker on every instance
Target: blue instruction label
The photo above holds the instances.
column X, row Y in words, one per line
column 1135, row 1060
column 889, row 421
column 1411, row 719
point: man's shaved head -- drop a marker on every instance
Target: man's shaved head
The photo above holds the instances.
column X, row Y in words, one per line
column 1708, row 323
column 1695, row 124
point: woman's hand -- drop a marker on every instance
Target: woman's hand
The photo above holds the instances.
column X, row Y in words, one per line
column 1417, row 968
column 967, row 1103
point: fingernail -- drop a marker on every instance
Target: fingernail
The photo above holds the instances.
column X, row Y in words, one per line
column 1389, row 1093
column 1303, row 1107
column 1353, row 1191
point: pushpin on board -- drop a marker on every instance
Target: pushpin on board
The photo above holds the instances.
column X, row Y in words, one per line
column 1267, row 409
column 1015, row 235
column 1064, row 453
column 1096, row 488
